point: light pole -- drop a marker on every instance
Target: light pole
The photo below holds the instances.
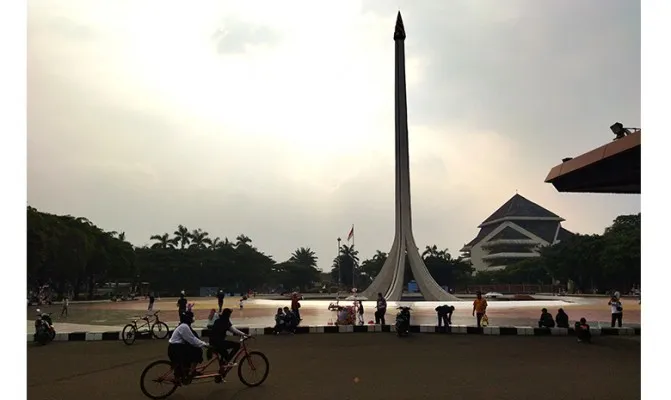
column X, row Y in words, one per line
column 339, row 269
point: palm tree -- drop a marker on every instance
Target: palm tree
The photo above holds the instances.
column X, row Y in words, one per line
column 199, row 239
column 304, row 256
column 433, row 252
column 242, row 240
column 350, row 252
column 182, row 236
column 163, row 241
column 215, row 243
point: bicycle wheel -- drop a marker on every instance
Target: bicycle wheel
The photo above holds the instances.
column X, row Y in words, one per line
column 158, row 373
column 128, row 334
column 255, row 364
column 160, row 330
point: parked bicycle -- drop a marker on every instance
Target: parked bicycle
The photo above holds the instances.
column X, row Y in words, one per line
column 152, row 326
column 162, row 373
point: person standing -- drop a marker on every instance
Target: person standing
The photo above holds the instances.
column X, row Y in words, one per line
column 295, row 305
column 220, row 299
column 66, row 304
column 150, row 308
column 181, row 303
column 360, row 313
column 479, row 308
column 615, row 310
column 381, row 309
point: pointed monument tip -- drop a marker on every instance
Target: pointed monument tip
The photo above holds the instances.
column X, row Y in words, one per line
column 399, row 32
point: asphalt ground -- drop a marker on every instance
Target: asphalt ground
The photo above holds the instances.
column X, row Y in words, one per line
column 367, row 367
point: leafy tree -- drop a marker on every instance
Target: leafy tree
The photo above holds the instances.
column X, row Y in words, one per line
column 371, row 267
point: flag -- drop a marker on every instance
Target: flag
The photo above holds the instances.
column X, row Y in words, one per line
column 350, row 235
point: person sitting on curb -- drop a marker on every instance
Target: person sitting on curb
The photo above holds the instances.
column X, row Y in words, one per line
column 290, row 320
column 562, row 319
column 280, row 323
column 582, row 331
column 546, row 320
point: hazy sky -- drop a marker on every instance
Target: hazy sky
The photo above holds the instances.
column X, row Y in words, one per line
column 276, row 119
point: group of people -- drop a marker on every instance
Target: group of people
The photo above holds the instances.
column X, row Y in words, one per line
column 285, row 321
column 561, row 321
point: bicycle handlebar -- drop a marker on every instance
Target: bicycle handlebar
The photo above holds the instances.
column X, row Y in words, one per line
column 246, row 337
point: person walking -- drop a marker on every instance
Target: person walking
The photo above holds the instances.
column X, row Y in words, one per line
column 615, row 310
column 381, row 309
column 150, row 308
column 479, row 308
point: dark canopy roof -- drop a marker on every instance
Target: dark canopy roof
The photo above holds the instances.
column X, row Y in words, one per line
column 519, row 206
column 611, row 168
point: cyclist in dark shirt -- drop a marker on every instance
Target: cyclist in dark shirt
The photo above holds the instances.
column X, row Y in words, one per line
column 225, row 348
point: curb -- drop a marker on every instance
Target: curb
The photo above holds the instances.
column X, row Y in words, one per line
column 455, row 329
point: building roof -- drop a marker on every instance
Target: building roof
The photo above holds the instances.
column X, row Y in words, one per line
column 612, row 168
column 519, row 206
column 509, row 233
column 564, row 234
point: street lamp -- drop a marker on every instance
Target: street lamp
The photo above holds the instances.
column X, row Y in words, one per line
column 620, row 131
column 339, row 269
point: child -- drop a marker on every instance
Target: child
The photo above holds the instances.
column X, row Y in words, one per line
column 211, row 318
column 582, row 331
column 360, row 313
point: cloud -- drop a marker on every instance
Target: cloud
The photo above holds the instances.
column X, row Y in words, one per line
column 141, row 118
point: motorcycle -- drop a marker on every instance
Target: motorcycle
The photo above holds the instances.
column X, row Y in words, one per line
column 403, row 321
column 44, row 328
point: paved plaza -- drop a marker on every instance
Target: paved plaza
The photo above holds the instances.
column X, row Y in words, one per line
column 368, row 367
column 105, row 316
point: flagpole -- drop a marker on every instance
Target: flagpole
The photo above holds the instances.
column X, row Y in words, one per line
column 353, row 262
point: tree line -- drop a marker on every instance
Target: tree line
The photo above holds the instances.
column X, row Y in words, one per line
column 73, row 254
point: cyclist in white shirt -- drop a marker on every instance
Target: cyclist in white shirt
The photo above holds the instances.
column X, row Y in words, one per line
column 184, row 348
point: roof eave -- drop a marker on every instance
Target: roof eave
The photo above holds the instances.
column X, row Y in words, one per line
column 513, row 219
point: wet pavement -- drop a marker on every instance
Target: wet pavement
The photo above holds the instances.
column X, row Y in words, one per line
column 106, row 316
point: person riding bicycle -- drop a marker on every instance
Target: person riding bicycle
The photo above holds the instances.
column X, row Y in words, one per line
column 184, row 348
column 226, row 348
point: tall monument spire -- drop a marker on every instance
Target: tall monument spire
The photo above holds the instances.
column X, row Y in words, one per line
column 389, row 281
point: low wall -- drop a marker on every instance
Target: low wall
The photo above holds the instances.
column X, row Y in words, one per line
column 455, row 329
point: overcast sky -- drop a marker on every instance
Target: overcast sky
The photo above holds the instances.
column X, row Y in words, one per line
column 276, row 119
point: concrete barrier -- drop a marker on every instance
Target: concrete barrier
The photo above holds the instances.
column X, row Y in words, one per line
column 326, row 329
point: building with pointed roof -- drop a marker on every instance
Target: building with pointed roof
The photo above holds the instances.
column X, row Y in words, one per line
column 513, row 233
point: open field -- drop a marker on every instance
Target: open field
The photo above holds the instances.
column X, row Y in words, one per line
column 387, row 367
